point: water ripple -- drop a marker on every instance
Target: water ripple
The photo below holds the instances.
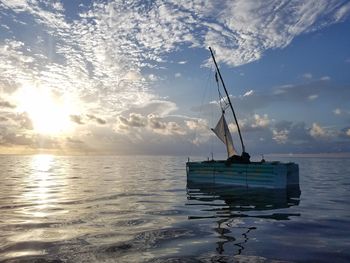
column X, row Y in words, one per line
column 113, row 209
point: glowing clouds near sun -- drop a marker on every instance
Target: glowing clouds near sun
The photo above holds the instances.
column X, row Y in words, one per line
column 49, row 114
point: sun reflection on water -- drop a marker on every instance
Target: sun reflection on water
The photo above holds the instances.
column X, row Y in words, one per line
column 42, row 162
column 38, row 201
column 40, row 183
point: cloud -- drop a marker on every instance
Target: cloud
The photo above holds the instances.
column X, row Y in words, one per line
column 165, row 128
column 261, row 121
column 341, row 112
column 152, row 77
column 307, row 76
column 280, row 136
column 295, row 94
column 248, row 93
column 15, row 139
column 248, row 28
column 154, row 106
column 16, row 121
column 6, row 104
column 252, row 123
column 281, row 131
column 29, row 141
column 292, row 133
column 241, row 33
column 48, row 14
column 83, row 119
column 178, row 75
column 317, row 131
column 299, row 134
column 337, row 111
column 134, row 120
column 86, row 57
column 7, row 86
column 24, row 121
column 313, row 97
column 77, row 119
column 74, row 141
column 151, row 122
column 57, row 6
column 199, row 131
column 342, row 12
column 96, row 119
column 107, row 55
column 344, row 133
column 197, row 124
column 325, row 78
column 15, row 65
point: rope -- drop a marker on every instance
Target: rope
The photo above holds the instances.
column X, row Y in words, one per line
column 200, row 114
column 221, row 98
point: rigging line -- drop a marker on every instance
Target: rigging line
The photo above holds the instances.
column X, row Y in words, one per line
column 211, row 115
column 200, row 113
column 226, row 142
column 221, row 98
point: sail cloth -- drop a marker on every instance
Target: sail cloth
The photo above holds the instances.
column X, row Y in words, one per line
column 221, row 130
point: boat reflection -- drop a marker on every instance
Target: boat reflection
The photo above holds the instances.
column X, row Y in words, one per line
column 240, row 201
column 234, row 210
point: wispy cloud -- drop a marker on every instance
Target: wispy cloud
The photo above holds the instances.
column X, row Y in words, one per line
column 293, row 94
column 248, row 93
column 337, row 111
column 313, row 97
column 244, row 30
column 307, row 76
column 113, row 39
column 325, row 78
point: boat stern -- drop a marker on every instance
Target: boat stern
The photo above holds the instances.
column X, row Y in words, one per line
column 292, row 174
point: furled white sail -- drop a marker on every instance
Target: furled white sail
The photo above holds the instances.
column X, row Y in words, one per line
column 221, row 130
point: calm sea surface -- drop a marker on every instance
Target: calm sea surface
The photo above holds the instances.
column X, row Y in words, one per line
column 140, row 209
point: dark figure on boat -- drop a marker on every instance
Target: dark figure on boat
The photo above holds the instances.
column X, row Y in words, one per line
column 244, row 158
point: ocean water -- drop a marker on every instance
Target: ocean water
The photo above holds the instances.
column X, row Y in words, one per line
column 140, row 209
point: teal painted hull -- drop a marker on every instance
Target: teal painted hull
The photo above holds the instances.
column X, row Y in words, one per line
column 266, row 175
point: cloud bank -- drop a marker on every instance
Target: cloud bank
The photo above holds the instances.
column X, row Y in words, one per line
column 101, row 55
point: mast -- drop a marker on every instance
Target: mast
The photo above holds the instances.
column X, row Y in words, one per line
column 228, row 98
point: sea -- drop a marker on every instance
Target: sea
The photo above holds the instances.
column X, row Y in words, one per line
column 141, row 209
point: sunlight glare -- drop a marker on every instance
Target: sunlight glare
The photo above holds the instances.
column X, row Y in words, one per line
column 42, row 162
column 48, row 114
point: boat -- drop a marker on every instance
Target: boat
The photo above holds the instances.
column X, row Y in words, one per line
column 237, row 169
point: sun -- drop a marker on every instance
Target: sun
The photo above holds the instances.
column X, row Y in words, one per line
column 49, row 114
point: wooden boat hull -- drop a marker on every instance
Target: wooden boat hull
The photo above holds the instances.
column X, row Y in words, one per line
column 256, row 174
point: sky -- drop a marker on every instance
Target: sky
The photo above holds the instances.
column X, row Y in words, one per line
column 136, row 77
